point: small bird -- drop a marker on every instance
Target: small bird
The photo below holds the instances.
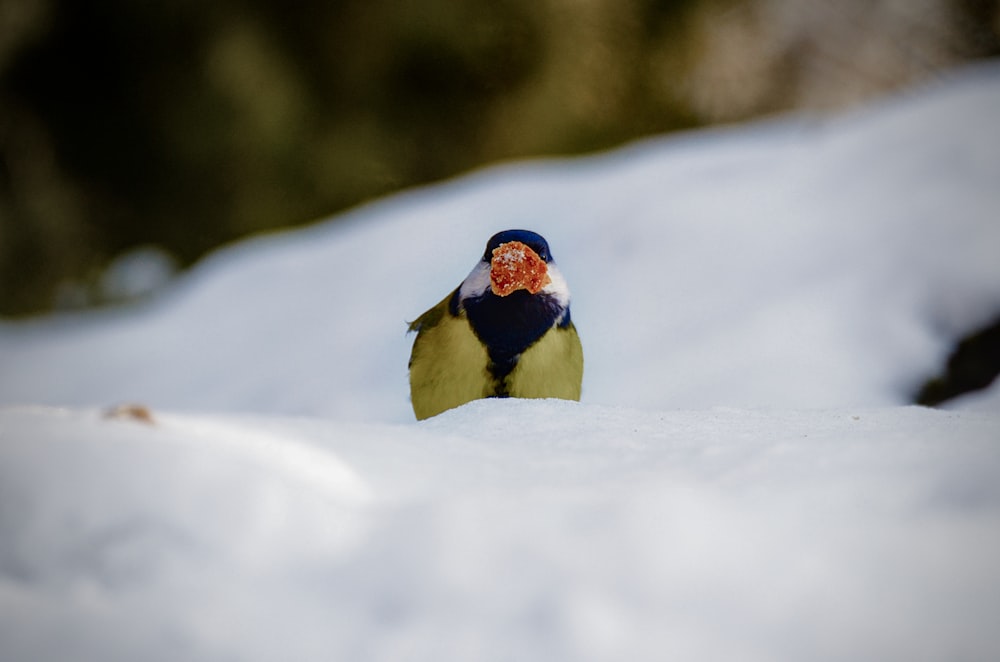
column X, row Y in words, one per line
column 504, row 332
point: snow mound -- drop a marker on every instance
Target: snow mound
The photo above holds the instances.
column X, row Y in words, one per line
column 528, row 530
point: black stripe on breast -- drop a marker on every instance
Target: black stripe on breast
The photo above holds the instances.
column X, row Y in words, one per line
column 510, row 325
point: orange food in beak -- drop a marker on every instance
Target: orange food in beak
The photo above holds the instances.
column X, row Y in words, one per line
column 516, row 267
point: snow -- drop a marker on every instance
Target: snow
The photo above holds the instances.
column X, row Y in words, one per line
column 742, row 480
column 138, row 272
column 528, row 530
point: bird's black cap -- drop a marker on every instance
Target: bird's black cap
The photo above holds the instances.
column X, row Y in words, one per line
column 532, row 240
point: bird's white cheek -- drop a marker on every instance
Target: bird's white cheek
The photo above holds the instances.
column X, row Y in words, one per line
column 557, row 287
column 476, row 283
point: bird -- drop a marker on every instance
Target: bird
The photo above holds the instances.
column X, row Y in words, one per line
column 505, row 331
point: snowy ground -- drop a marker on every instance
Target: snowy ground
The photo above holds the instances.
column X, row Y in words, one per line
column 503, row 531
column 742, row 480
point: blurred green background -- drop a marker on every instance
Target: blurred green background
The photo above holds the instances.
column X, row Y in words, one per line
column 183, row 125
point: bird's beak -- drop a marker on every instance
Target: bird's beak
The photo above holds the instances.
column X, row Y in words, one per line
column 515, row 266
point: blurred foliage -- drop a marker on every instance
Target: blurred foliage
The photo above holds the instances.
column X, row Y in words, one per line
column 185, row 125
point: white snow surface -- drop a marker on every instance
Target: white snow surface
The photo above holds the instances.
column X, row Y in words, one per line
column 742, row 480
column 503, row 530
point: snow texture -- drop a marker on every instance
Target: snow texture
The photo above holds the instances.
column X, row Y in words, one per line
column 742, row 480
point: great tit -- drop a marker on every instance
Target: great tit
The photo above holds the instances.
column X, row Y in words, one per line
column 504, row 332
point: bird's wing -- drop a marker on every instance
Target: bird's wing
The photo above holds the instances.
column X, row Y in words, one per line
column 432, row 317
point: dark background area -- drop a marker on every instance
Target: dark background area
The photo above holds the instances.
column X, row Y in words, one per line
column 185, row 125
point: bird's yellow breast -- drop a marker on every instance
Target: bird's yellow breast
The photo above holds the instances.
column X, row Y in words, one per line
column 550, row 368
column 449, row 365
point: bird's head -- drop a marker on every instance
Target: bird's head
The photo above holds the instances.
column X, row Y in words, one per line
column 516, row 260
